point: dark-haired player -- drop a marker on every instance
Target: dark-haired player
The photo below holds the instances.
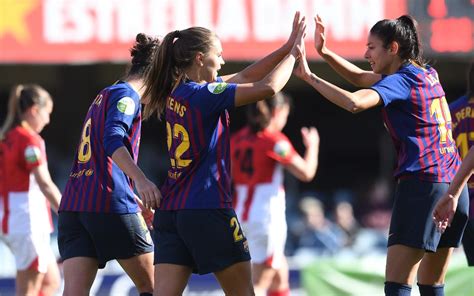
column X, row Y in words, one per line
column 99, row 217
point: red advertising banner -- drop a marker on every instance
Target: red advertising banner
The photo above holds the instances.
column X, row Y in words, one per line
column 87, row 31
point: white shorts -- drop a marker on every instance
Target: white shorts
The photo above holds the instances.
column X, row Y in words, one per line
column 31, row 251
column 266, row 242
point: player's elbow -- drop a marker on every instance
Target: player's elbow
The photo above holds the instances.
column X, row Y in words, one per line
column 354, row 106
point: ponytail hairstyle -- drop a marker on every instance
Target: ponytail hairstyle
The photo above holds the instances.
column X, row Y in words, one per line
column 175, row 54
column 142, row 55
column 23, row 97
column 260, row 113
column 402, row 30
column 470, row 81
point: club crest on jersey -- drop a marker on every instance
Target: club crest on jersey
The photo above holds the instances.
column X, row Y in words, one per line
column 32, row 154
column 126, row 105
column 217, row 87
column 282, row 148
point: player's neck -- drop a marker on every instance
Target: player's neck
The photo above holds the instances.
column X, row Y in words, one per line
column 137, row 85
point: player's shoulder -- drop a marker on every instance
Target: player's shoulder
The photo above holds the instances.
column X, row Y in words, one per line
column 21, row 134
column 121, row 89
column 459, row 103
column 273, row 136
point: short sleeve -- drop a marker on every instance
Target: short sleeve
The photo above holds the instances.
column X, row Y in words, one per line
column 33, row 152
column 392, row 88
column 216, row 97
column 283, row 151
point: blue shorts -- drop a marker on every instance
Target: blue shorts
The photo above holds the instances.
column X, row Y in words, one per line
column 412, row 216
column 102, row 236
column 205, row 240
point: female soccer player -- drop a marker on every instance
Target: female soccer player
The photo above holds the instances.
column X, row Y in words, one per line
column 260, row 152
column 463, row 128
column 417, row 117
column 99, row 217
column 196, row 228
column 27, row 191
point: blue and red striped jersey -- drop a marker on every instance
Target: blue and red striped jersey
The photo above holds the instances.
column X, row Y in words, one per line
column 417, row 117
column 197, row 123
column 96, row 183
column 462, row 113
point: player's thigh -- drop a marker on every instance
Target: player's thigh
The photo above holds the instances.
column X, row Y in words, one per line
column 28, row 281
column 402, row 264
column 140, row 269
column 171, row 279
column 51, row 281
column 262, row 275
column 79, row 274
column 434, row 266
column 236, row 279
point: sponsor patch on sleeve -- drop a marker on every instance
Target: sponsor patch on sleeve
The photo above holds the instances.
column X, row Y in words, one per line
column 217, row 87
column 126, row 105
column 32, row 154
column 282, row 148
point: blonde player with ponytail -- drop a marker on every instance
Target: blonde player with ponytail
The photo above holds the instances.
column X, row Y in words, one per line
column 27, row 191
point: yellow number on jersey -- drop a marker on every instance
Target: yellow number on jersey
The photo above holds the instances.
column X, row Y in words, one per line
column 235, row 223
column 462, row 142
column 440, row 109
column 84, row 153
column 178, row 132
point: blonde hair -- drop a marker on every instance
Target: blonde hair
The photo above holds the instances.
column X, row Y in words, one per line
column 22, row 97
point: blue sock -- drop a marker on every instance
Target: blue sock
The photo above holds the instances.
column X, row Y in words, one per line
column 429, row 290
column 396, row 289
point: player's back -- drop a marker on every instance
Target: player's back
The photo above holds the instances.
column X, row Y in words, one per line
column 96, row 183
column 257, row 172
column 25, row 209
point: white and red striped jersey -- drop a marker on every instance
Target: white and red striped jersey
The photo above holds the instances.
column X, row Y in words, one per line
column 257, row 172
column 23, row 207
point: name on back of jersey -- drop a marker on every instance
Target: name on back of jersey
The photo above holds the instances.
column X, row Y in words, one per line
column 175, row 106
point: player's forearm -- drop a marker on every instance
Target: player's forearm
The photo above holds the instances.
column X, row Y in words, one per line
column 348, row 70
column 258, row 70
column 124, row 161
column 333, row 93
column 311, row 160
column 52, row 193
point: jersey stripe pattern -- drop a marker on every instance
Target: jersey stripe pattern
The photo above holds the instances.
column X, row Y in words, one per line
column 197, row 124
column 96, row 184
column 417, row 117
column 462, row 113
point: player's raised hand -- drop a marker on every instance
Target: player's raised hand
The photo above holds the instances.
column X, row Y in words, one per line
column 294, row 31
column 148, row 192
column 298, row 44
column 444, row 210
column 319, row 35
column 310, row 136
column 302, row 70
